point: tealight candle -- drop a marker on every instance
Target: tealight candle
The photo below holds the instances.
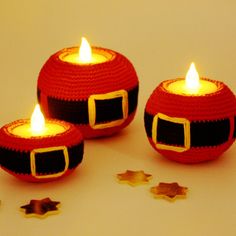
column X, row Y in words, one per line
column 192, row 85
column 92, row 87
column 85, row 55
column 191, row 120
column 40, row 150
column 36, row 126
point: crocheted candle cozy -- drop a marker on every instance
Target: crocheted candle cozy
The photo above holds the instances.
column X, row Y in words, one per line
column 40, row 158
column 100, row 99
column 191, row 129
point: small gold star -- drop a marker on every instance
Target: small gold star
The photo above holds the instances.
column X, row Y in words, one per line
column 41, row 208
column 134, row 178
column 170, row 191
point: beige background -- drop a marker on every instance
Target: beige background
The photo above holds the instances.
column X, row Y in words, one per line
column 161, row 38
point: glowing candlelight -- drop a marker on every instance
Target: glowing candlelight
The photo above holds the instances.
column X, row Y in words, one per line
column 191, row 119
column 192, row 84
column 37, row 121
column 85, row 52
column 40, row 146
column 37, row 126
column 77, row 77
column 86, row 55
column 192, row 78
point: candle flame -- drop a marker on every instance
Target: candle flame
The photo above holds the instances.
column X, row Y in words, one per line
column 37, row 122
column 85, row 52
column 192, row 78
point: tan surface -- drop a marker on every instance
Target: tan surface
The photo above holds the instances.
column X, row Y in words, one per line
column 161, row 38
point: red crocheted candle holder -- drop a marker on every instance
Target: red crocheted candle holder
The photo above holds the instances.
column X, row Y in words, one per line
column 191, row 129
column 100, row 98
column 40, row 158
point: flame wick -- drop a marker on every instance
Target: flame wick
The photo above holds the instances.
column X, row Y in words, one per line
column 192, row 78
column 37, row 122
column 85, row 52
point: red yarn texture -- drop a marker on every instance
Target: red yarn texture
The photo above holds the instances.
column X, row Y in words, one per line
column 214, row 106
column 76, row 82
column 72, row 136
column 69, row 81
column 87, row 131
column 30, row 178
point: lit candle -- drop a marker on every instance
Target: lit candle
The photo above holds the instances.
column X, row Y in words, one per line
column 191, row 120
column 192, row 84
column 40, row 150
column 37, row 127
column 93, row 87
column 86, row 55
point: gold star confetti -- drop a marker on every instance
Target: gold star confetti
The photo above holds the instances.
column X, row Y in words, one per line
column 134, row 178
column 41, row 208
column 170, row 191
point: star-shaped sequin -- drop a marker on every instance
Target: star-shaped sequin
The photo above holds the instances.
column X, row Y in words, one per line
column 41, row 208
column 134, row 178
column 170, row 191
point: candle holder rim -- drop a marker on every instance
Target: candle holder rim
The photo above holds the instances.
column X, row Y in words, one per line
column 12, row 125
column 108, row 53
column 164, row 85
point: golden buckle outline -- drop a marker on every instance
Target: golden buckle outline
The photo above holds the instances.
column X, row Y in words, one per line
column 186, row 125
column 48, row 149
column 92, row 108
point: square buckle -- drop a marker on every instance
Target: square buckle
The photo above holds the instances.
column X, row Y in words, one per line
column 44, row 150
column 106, row 96
column 186, row 126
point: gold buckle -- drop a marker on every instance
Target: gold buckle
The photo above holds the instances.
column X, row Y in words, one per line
column 92, row 108
column 186, row 125
column 48, row 149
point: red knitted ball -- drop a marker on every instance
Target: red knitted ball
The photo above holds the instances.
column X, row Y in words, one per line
column 92, row 96
column 40, row 158
column 209, row 121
